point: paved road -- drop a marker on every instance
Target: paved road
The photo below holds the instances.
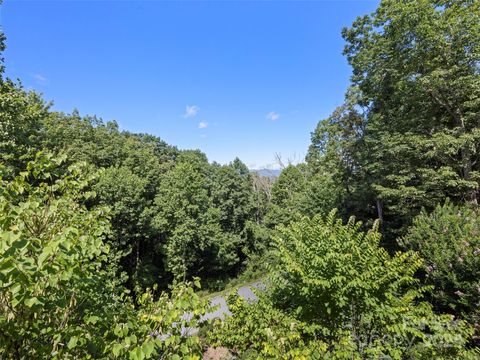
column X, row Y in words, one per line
column 245, row 292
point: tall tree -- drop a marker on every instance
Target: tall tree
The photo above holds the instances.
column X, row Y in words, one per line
column 186, row 221
column 21, row 116
column 286, row 192
column 416, row 76
column 334, row 161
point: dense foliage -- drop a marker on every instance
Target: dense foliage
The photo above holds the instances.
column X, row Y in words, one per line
column 101, row 230
column 262, row 331
column 153, row 216
column 60, row 298
column 335, row 293
column 408, row 134
column 449, row 241
column 407, row 138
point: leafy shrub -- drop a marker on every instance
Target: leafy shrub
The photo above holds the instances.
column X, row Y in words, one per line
column 259, row 331
column 58, row 298
column 449, row 241
column 363, row 301
column 333, row 274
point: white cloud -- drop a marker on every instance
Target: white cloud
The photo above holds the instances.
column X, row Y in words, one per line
column 273, row 116
column 191, row 111
column 203, row 136
column 202, row 125
column 40, row 79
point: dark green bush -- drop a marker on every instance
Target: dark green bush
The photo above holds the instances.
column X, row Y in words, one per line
column 449, row 241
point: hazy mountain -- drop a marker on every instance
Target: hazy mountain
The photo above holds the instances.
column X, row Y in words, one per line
column 272, row 173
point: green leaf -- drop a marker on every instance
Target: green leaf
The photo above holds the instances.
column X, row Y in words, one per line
column 117, row 349
column 72, row 342
column 31, row 301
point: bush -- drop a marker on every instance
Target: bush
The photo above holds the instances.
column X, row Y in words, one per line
column 363, row 302
column 259, row 331
column 334, row 275
column 449, row 241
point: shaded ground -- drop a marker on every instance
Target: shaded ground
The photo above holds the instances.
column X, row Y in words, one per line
column 216, row 354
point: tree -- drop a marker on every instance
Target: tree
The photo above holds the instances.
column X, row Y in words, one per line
column 21, row 115
column 334, row 293
column 286, row 191
column 335, row 158
column 132, row 167
column 130, row 217
column 332, row 273
column 415, row 75
column 187, row 223
column 262, row 186
column 232, row 194
column 2, row 49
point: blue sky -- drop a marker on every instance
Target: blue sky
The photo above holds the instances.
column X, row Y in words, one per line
column 247, row 79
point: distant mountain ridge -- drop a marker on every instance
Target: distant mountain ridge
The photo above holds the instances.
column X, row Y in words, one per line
column 272, row 173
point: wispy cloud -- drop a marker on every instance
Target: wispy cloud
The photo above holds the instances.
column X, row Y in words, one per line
column 191, row 111
column 41, row 79
column 203, row 136
column 273, row 116
column 202, row 125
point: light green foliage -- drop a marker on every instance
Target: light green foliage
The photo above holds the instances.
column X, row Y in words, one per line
column 259, row 331
column 21, row 113
column 285, row 195
column 158, row 328
column 334, row 274
column 187, row 221
column 48, row 246
column 58, row 298
column 449, row 241
column 339, row 278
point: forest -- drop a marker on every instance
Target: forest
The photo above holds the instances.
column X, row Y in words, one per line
column 112, row 241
